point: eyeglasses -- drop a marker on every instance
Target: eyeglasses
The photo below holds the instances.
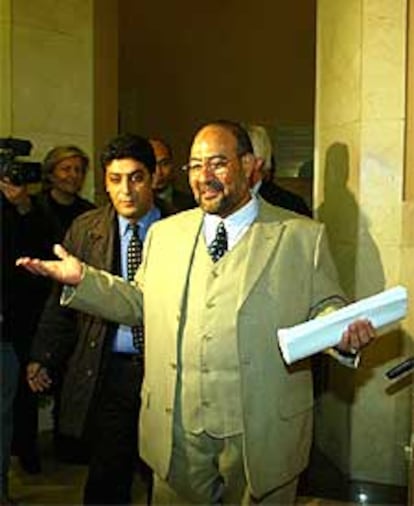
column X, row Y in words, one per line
column 215, row 164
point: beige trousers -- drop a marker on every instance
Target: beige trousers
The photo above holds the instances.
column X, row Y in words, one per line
column 207, row 470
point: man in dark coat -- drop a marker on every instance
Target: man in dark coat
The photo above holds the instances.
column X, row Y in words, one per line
column 64, row 171
column 22, row 299
column 100, row 396
column 263, row 177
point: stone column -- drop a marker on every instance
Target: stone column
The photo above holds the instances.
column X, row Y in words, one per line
column 5, row 65
column 362, row 421
column 59, row 74
column 59, row 80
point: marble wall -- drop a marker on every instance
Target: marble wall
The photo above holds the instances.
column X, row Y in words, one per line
column 59, row 80
column 5, row 65
column 363, row 423
column 51, row 78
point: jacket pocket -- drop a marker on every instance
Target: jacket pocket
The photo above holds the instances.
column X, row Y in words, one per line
column 299, row 398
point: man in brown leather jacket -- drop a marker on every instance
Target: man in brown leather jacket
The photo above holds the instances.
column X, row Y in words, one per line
column 103, row 370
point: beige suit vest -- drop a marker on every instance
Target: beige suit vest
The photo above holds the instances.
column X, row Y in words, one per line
column 210, row 381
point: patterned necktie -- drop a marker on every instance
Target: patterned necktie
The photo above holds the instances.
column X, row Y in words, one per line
column 218, row 246
column 134, row 256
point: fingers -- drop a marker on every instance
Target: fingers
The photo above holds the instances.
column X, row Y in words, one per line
column 14, row 193
column 357, row 335
column 38, row 377
column 42, row 267
column 33, row 265
column 60, row 251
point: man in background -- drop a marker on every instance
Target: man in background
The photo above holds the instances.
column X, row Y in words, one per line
column 104, row 366
column 163, row 181
column 22, row 299
column 263, row 177
column 34, row 222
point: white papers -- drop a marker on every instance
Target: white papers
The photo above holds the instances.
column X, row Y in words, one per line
column 326, row 331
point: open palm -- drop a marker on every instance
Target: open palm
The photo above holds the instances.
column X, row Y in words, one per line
column 67, row 270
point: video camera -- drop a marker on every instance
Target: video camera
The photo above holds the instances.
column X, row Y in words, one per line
column 18, row 172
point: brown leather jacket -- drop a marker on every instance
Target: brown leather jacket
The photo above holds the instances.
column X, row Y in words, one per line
column 73, row 342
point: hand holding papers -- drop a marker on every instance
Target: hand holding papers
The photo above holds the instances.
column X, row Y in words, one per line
column 324, row 332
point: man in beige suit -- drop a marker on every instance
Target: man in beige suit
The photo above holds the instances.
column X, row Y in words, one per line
column 223, row 419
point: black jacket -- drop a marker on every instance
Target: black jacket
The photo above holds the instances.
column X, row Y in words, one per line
column 33, row 234
column 278, row 196
column 22, row 294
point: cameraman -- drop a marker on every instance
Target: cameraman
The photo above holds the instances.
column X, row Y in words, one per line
column 54, row 208
column 21, row 304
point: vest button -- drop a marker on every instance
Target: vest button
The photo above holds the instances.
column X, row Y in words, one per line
column 89, row 373
column 92, row 344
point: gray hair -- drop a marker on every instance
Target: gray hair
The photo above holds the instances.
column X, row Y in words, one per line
column 262, row 145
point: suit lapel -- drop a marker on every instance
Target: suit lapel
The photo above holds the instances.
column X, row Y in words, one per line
column 104, row 241
column 187, row 238
column 263, row 240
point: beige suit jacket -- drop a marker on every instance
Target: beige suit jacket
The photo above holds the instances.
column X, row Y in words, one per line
column 287, row 277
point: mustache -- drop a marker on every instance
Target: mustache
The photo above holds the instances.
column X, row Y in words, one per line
column 214, row 184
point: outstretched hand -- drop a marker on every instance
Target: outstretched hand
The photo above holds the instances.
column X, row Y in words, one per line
column 67, row 270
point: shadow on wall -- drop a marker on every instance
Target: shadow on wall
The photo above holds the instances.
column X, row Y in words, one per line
column 351, row 401
column 359, row 266
column 348, row 229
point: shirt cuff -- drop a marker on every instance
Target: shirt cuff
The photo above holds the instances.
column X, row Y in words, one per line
column 345, row 358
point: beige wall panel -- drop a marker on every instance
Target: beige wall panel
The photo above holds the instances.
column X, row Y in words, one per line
column 5, row 65
column 383, row 57
column 360, row 198
column 339, row 29
column 52, row 76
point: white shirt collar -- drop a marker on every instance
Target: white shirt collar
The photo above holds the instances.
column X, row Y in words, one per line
column 236, row 224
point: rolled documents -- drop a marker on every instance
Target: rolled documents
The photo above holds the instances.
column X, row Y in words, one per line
column 316, row 335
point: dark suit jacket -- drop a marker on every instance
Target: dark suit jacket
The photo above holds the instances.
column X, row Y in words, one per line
column 22, row 294
column 278, row 196
column 180, row 201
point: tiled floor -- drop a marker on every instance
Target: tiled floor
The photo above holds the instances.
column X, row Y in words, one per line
column 61, row 484
column 322, row 479
column 58, row 483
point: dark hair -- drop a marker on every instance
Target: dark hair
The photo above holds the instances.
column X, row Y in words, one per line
column 164, row 143
column 129, row 146
column 244, row 144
